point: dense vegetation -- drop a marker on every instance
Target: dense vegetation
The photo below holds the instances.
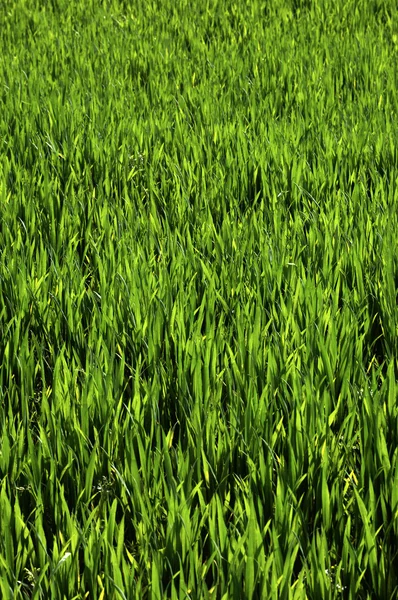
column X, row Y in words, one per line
column 198, row 299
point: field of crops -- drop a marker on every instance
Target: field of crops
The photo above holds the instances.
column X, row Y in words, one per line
column 198, row 300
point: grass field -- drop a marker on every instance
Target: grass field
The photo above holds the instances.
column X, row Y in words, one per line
column 198, row 300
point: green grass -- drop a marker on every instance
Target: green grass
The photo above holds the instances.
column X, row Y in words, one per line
column 198, row 300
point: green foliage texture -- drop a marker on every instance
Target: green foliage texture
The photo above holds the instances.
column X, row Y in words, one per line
column 198, row 300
